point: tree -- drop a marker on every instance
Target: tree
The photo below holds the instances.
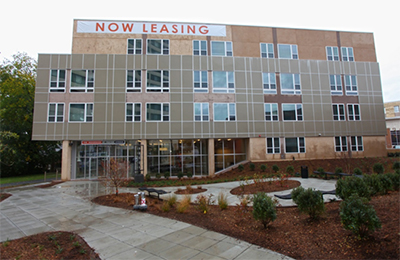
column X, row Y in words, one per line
column 19, row 154
column 264, row 208
column 114, row 173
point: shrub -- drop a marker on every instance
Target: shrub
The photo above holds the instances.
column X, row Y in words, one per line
column 158, row 175
column 241, row 167
column 378, row 168
column 396, row 165
column 165, row 207
column 184, row 204
column 357, row 216
column 189, row 175
column 171, row 200
column 349, row 185
column 386, row 182
column 290, row 169
column 252, row 166
column 167, row 175
column 374, row 184
column 204, row 202
column 148, row 177
column 311, row 202
column 180, row 175
column 320, row 170
column 338, row 170
column 263, row 167
column 264, row 208
column 275, row 168
column 357, row 171
column 222, row 201
column 295, row 192
column 395, row 178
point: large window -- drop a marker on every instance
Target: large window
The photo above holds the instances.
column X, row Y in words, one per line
column 340, row 143
column 133, row 80
column 351, row 84
column 267, row 50
column 335, row 82
column 347, row 54
column 219, row 48
column 269, row 83
column 133, row 112
column 200, row 48
column 157, row 46
column 57, row 81
column 82, row 80
column 223, row 82
column 356, row 143
column 338, row 112
column 56, row 112
column 81, row 112
column 134, row 46
column 353, row 112
column 295, row 145
column 395, row 136
column 157, row 112
column 290, row 84
column 273, row 145
column 287, row 51
column 224, row 112
column 271, row 112
column 228, row 152
column 201, row 112
column 332, row 53
column 157, row 81
column 292, row 112
column 200, row 81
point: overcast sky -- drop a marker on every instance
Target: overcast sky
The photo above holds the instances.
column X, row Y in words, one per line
column 44, row 26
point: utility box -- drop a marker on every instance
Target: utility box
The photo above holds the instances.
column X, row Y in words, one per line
column 304, row 172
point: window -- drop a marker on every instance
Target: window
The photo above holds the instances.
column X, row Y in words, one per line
column 271, row 112
column 81, row 112
column 351, row 84
column 221, row 48
column 157, row 46
column 273, row 145
column 338, row 112
column 134, row 46
column 133, row 80
column 200, row 48
column 200, row 81
column 267, row 50
column 133, row 112
column 356, row 143
column 224, row 112
column 295, row 145
column 82, row 80
column 340, row 143
column 56, row 112
column 335, row 82
column 292, row 112
column 57, row 81
column 354, row 112
column 395, row 136
column 157, row 112
column 396, row 109
column 269, row 83
column 332, row 53
column 201, row 112
column 347, row 54
column 290, row 84
column 287, row 51
column 223, row 82
column 157, row 81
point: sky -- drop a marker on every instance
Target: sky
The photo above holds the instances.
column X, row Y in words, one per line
column 44, row 26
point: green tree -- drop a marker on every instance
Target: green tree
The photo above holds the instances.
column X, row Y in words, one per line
column 19, row 154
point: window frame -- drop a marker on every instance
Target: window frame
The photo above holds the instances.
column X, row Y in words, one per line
column 272, row 116
column 202, row 116
column 229, row 87
column 59, row 84
column 134, row 50
column 396, row 109
column 296, row 90
column 269, row 82
column 346, row 56
column 162, row 115
column 229, row 106
column 200, row 50
column 273, row 149
column 298, row 117
column 136, row 84
column 335, row 86
column 164, row 85
column 133, row 117
column 350, row 82
column 164, row 47
column 268, row 53
column 339, row 116
column 341, row 144
column 353, row 115
column 56, row 110
column 294, row 51
column 202, row 86
column 355, row 143
column 300, row 148
column 335, row 57
column 87, row 117
column 89, row 82
column 228, row 49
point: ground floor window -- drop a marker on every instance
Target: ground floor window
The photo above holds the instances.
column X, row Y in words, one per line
column 395, row 136
column 228, row 152
column 295, row 145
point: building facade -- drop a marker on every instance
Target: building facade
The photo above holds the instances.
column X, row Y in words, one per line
column 178, row 97
column 392, row 114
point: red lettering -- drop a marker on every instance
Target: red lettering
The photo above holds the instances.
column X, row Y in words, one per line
column 100, row 26
column 114, row 24
column 192, row 29
column 127, row 26
column 174, row 29
column 153, row 28
column 144, row 28
column 164, row 29
column 182, row 30
column 203, row 29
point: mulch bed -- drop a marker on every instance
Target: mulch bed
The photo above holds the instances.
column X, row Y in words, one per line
column 265, row 187
column 190, row 190
column 4, row 196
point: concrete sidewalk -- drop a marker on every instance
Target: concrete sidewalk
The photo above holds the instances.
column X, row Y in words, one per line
column 117, row 233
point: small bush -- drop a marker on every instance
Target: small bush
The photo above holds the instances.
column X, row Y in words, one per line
column 222, row 201
column 386, row 182
column 290, row 169
column 189, row 175
column 378, row 168
column 310, row 201
column 148, row 177
column 252, row 166
column 295, row 192
column 358, row 217
column 184, row 204
column 395, row 178
column 263, row 167
column 165, row 207
column 357, row 171
column 275, row 168
column 158, row 175
column 167, row 175
column 204, row 202
column 396, row 165
column 264, row 208
column 349, row 185
column 374, row 183
column 241, row 167
column 172, row 200
column 180, row 175
column 320, row 170
column 338, row 170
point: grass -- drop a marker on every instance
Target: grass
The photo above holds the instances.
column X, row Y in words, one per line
column 7, row 180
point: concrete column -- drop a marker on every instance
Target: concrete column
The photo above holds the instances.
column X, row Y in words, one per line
column 211, row 157
column 144, row 156
column 66, row 161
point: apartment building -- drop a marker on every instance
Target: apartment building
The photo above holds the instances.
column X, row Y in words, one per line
column 392, row 114
column 199, row 98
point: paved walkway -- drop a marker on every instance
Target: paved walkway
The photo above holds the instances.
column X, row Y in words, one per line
column 123, row 234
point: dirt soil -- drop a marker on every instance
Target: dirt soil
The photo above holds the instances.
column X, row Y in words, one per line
column 190, row 190
column 265, row 187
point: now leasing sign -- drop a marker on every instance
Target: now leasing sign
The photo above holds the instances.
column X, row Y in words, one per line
column 150, row 28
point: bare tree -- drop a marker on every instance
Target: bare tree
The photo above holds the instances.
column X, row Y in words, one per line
column 114, row 173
